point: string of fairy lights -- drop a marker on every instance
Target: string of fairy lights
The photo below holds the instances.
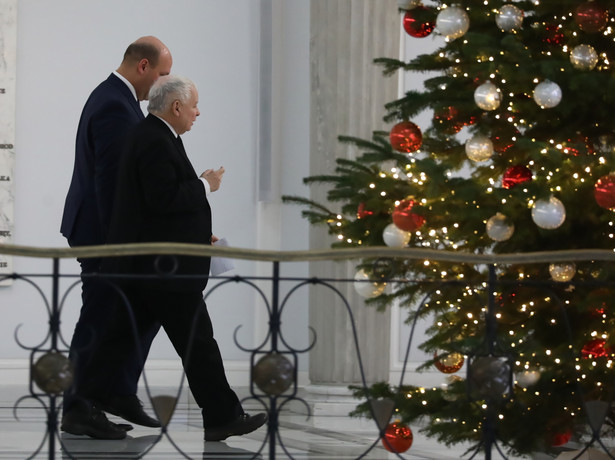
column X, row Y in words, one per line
column 506, row 107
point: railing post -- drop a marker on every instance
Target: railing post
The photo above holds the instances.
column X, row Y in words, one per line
column 274, row 321
column 274, row 327
column 54, row 328
column 491, row 331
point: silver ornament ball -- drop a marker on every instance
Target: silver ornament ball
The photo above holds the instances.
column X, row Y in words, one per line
column 547, row 94
column 584, row 57
column 365, row 288
column 499, row 228
column 487, row 96
column 479, row 148
column 509, row 18
column 548, row 214
column 452, row 22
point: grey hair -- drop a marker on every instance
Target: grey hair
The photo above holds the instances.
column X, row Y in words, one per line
column 167, row 89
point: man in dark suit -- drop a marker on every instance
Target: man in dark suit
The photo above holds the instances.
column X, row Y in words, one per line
column 164, row 200
column 110, row 111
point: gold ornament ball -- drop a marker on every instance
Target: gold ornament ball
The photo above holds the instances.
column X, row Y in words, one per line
column 53, row 373
column 448, row 363
column 562, row 272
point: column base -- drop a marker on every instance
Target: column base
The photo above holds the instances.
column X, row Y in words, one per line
column 330, row 400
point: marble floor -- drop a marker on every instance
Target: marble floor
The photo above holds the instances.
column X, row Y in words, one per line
column 22, row 435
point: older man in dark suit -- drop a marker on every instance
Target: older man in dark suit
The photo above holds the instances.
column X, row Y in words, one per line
column 160, row 198
column 109, row 113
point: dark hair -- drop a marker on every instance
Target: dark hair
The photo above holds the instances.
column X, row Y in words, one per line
column 137, row 51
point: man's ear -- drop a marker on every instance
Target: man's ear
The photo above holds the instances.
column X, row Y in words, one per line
column 176, row 106
column 143, row 65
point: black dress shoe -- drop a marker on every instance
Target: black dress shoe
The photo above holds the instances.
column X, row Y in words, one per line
column 243, row 424
column 92, row 422
column 129, row 408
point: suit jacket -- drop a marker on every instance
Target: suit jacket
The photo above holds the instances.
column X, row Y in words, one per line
column 109, row 113
column 160, row 198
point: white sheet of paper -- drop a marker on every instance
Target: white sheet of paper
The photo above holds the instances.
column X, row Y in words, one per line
column 220, row 265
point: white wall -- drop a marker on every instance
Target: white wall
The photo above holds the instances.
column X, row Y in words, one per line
column 66, row 47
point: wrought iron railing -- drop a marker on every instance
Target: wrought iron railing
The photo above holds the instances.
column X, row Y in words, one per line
column 50, row 370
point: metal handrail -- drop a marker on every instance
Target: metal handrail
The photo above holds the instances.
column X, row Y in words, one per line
column 570, row 255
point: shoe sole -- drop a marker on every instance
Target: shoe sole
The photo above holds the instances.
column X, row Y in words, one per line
column 214, row 437
column 83, row 430
column 117, row 413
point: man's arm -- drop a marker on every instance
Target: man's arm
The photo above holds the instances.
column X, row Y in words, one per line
column 108, row 132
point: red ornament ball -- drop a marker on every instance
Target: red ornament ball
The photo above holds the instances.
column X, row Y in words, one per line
column 604, row 192
column 405, row 219
column 559, row 439
column 449, row 363
column 516, row 175
column 419, row 22
column 591, row 17
column 406, row 137
column 397, row 437
column 596, row 348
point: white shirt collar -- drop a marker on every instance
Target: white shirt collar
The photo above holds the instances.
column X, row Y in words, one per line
column 167, row 123
column 130, row 87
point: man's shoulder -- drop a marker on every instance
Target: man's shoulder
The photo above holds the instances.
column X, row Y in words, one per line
column 154, row 124
column 110, row 91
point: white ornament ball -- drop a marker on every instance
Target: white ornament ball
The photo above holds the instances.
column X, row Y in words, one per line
column 452, row 22
column 395, row 237
column 487, row 96
column 499, row 228
column 365, row 288
column 549, row 214
column 408, row 4
column 562, row 272
column 509, row 18
column 584, row 57
column 527, row 378
column 547, row 94
column 479, row 148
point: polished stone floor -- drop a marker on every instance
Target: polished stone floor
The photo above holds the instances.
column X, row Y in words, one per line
column 23, row 426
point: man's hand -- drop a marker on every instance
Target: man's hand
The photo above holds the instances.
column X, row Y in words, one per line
column 214, row 178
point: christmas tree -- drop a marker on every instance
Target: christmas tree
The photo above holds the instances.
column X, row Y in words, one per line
column 518, row 158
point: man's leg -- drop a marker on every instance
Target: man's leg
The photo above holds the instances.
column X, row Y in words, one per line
column 80, row 416
column 184, row 317
column 95, row 377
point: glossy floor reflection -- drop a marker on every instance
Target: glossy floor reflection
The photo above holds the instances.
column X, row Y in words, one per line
column 301, row 438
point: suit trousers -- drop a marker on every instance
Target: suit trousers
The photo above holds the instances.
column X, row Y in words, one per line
column 96, row 315
column 185, row 319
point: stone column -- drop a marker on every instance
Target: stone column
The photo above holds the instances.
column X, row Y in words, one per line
column 348, row 93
